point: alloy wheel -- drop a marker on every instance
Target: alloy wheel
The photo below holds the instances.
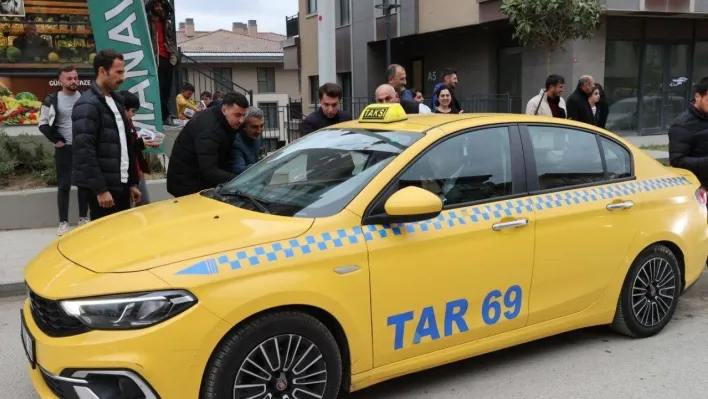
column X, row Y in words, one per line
column 286, row 366
column 653, row 292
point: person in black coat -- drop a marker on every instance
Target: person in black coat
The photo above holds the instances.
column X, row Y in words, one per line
column 103, row 154
column 201, row 156
column 328, row 113
column 602, row 106
column 688, row 136
column 577, row 105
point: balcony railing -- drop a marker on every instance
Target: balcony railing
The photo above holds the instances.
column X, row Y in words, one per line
column 292, row 25
column 205, row 78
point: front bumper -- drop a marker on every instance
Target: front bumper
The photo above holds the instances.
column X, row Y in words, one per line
column 163, row 362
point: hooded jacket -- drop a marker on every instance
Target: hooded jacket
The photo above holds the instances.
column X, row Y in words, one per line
column 688, row 142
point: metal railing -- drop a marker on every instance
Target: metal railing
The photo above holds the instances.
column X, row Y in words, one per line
column 205, row 78
column 292, row 25
column 283, row 124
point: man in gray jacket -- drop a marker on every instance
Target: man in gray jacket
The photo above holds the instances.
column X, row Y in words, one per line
column 55, row 124
column 549, row 101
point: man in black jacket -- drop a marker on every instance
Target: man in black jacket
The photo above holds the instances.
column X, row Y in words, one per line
column 688, row 136
column 328, row 113
column 104, row 162
column 578, row 105
column 201, row 156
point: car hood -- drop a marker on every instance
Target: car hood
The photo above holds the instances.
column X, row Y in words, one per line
column 172, row 231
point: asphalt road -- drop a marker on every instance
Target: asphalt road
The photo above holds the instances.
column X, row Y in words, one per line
column 592, row 363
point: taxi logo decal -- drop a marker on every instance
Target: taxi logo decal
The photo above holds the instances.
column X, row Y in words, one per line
column 374, row 114
column 282, row 250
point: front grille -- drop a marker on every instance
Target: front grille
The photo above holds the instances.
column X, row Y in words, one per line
column 53, row 385
column 51, row 318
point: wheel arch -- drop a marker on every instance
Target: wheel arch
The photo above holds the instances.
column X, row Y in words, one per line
column 673, row 242
column 322, row 315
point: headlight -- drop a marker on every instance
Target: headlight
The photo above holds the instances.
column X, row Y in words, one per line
column 129, row 311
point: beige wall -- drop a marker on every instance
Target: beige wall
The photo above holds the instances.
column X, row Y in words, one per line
column 246, row 75
column 433, row 16
column 308, row 53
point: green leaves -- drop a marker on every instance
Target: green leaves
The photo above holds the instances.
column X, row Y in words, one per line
column 549, row 24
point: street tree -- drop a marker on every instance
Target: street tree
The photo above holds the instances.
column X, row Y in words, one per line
column 550, row 24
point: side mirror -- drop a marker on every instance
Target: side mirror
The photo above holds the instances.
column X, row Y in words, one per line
column 411, row 204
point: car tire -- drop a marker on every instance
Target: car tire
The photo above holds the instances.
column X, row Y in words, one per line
column 644, row 307
column 257, row 341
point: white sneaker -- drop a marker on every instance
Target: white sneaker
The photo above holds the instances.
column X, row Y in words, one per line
column 63, row 228
column 83, row 221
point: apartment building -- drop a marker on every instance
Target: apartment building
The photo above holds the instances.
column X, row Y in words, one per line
column 241, row 59
column 647, row 53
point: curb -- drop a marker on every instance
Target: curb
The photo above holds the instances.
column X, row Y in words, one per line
column 12, row 289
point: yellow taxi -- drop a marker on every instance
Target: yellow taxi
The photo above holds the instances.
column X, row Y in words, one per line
column 364, row 251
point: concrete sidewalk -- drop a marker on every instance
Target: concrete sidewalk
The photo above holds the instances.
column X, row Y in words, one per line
column 17, row 248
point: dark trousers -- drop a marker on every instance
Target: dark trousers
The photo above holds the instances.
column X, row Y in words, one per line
column 63, row 161
column 121, row 200
column 164, row 77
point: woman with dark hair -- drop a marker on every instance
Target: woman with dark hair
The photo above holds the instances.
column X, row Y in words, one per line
column 445, row 106
column 602, row 106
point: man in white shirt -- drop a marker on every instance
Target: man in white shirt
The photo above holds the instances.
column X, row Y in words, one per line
column 104, row 162
column 549, row 102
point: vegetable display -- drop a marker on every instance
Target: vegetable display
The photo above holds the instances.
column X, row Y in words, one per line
column 20, row 109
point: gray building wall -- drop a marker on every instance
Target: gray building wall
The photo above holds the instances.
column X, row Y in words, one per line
column 408, row 17
column 362, row 34
column 583, row 57
column 702, row 6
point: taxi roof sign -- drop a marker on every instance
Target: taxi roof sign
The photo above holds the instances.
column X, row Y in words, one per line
column 383, row 113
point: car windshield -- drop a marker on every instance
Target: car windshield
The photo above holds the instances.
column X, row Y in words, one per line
column 318, row 175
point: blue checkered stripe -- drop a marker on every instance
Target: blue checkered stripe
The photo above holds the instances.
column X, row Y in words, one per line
column 306, row 245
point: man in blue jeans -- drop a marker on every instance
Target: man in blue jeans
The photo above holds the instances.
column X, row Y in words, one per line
column 55, row 124
column 247, row 144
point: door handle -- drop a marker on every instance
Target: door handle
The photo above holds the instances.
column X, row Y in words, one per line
column 515, row 224
column 620, row 205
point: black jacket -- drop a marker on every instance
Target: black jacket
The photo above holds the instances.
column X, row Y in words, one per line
column 688, row 143
column 201, row 156
column 48, row 118
column 578, row 107
column 245, row 152
column 318, row 120
column 410, row 106
column 96, row 143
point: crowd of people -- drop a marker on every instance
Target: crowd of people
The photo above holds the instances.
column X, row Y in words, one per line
column 586, row 104
column 99, row 150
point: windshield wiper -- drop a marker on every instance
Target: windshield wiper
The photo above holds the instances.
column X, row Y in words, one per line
column 260, row 204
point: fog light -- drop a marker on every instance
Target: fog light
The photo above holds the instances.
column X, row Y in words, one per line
column 99, row 384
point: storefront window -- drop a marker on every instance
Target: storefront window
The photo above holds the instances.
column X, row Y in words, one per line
column 700, row 63
column 622, row 65
column 36, row 39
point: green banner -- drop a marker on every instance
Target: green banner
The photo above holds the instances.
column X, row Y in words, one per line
column 122, row 25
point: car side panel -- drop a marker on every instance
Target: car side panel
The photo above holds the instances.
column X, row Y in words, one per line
column 307, row 278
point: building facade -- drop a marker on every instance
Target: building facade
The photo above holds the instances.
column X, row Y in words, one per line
column 242, row 59
column 647, row 53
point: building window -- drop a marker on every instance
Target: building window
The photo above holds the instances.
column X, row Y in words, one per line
column 314, row 89
column 270, row 111
column 299, row 81
column 622, row 65
column 311, row 6
column 266, row 80
column 378, row 12
column 700, row 63
column 223, row 80
column 345, row 17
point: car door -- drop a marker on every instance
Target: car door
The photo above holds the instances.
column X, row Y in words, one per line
column 581, row 187
column 464, row 275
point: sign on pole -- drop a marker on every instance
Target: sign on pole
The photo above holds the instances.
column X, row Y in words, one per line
column 122, row 25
